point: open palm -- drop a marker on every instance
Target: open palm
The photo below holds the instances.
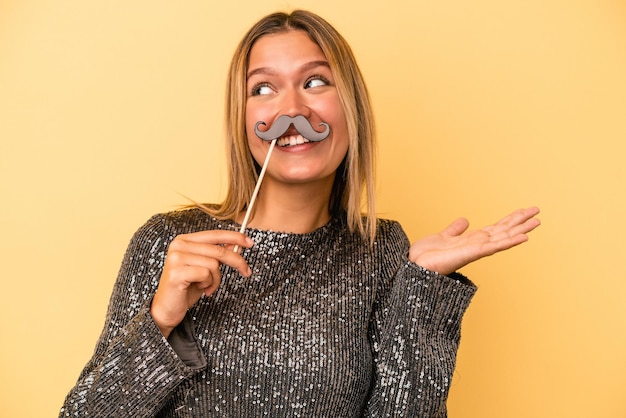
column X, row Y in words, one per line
column 455, row 247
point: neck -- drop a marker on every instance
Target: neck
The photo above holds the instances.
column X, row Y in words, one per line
column 293, row 208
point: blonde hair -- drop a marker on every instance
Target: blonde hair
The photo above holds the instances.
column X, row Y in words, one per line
column 353, row 190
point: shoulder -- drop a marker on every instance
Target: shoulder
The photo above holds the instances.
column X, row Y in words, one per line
column 390, row 235
column 182, row 221
column 389, row 250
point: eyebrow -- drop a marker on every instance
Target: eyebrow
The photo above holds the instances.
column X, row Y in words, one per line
column 305, row 67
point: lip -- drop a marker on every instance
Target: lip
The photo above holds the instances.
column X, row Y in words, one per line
column 291, row 140
column 296, row 140
column 296, row 148
column 291, row 131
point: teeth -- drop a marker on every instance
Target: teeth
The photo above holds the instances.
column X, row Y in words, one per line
column 291, row 140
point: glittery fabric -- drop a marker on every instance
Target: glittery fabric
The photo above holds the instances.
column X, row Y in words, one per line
column 326, row 326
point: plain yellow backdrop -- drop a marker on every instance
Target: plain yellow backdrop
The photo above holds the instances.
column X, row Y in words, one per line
column 109, row 110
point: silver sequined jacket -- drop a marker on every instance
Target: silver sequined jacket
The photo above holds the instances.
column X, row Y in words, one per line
column 326, row 326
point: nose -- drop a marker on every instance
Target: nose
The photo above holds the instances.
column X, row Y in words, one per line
column 293, row 103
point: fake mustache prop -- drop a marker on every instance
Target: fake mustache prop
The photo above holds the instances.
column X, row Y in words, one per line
column 278, row 129
column 282, row 124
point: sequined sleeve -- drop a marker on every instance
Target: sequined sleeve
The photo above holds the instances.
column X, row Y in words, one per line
column 416, row 333
column 133, row 369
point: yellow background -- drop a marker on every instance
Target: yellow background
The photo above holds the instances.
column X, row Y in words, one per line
column 110, row 109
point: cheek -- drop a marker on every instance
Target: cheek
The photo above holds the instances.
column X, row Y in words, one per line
column 251, row 119
column 250, row 116
column 335, row 116
column 253, row 116
column 256, row 149
column 341, row 129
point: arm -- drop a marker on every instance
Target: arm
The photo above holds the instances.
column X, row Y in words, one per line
column 415, row 333
column 148, row 345
column 133, row 369
column 416, row 322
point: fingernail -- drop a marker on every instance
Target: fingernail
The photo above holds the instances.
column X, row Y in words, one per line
column 249, row 241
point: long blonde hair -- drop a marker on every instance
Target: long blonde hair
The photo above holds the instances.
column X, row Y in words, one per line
column 353, row 190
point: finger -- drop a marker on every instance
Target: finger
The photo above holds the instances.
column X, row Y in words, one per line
column 504, row 238
column 510, row 224
column 456, row 228
column 498, row 232
column 208, row 291
column 218, row 237
column 198, row 253
column 183, row 276
column 505, row 244
column 526, row 227
column 211, row 281
column 231, row 259
column 518, row 217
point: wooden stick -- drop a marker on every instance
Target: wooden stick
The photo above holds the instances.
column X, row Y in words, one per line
column 256, row 191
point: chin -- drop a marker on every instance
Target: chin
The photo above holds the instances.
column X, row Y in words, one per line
column 304, row 177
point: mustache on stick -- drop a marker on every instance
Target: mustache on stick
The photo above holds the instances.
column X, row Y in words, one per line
column 278, row 129
column 256, row 191
column 282, row 124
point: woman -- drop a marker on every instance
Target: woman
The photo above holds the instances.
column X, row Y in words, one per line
column 333, row 315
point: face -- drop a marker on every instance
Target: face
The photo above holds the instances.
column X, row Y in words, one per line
column 289, row 75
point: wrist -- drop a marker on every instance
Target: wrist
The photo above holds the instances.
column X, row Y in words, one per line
column 165, row 329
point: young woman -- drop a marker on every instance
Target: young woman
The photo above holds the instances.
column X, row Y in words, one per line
column 318, row 309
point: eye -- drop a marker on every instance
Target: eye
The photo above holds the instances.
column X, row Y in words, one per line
column 261, row 89
column 316, row 81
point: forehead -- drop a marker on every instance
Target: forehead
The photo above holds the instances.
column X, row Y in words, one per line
column 282, row 47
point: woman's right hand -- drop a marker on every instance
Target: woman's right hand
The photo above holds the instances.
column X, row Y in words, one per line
column 192, row 268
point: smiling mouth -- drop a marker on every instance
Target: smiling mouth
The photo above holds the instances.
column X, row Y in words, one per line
column 291, row 140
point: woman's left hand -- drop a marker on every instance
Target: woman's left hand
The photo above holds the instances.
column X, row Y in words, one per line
column 454, row 248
